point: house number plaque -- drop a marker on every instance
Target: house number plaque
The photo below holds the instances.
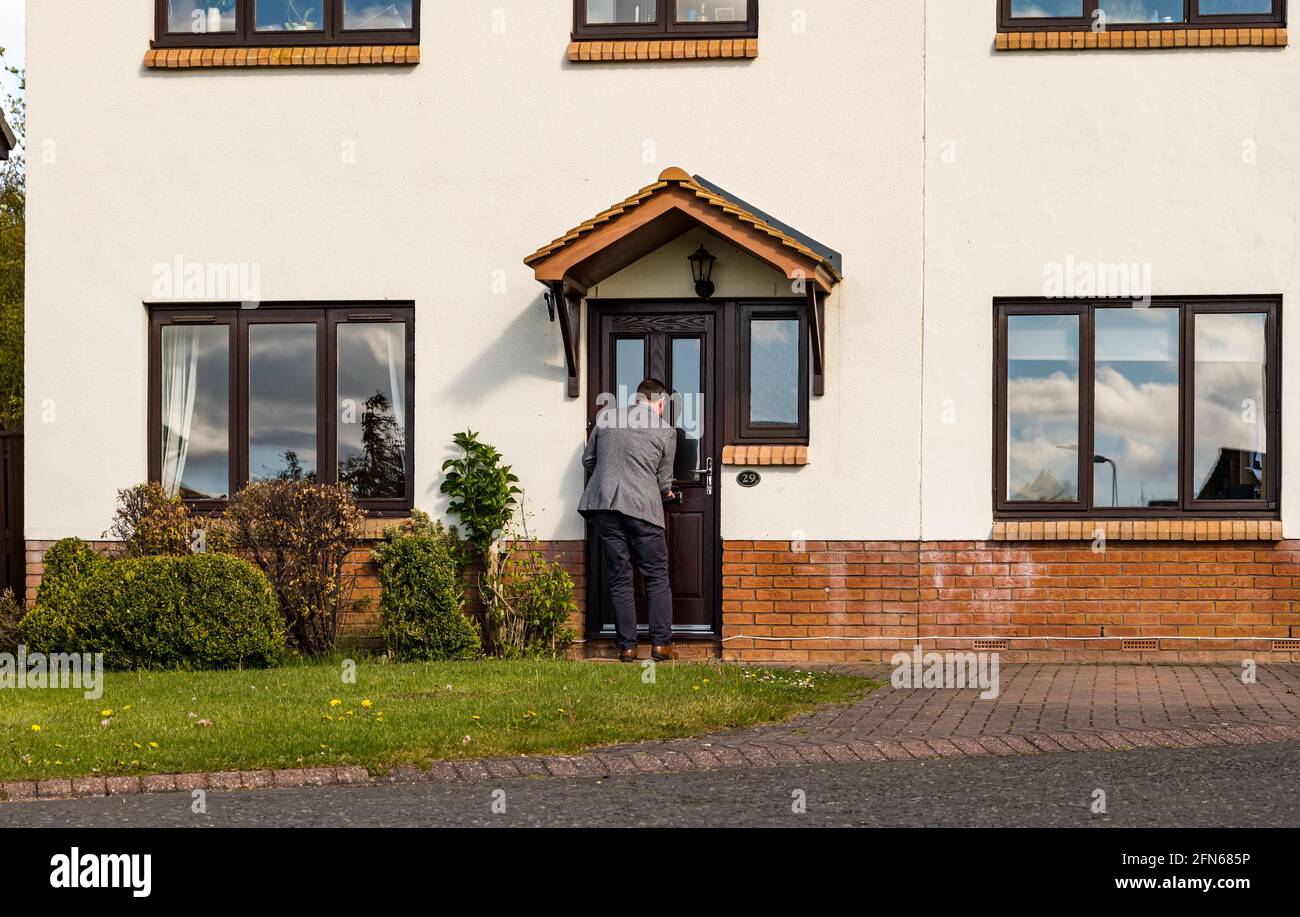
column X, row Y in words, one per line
column 748, row 478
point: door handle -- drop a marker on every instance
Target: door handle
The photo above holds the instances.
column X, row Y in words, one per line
column 707, row 471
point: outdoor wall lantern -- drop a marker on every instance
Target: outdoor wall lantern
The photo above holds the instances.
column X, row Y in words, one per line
column 702, row 271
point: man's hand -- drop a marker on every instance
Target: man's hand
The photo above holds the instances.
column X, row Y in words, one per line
column 670, row 496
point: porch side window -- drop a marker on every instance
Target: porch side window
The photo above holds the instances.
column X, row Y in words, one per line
column 1150, row 14
column 1145, row 409
column 658, row 19
column 773, row 391
column 275, row 23
column 303, row 393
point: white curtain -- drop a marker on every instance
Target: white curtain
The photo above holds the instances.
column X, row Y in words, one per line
column 180, row 364
column 396, row 340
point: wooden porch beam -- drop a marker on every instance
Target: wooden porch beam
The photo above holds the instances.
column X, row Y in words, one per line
column 817, row 331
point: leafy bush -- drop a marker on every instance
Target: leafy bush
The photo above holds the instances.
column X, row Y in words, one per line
column 300, row 533
column 68, row 566
column 535, row 598
column 481, row 489
column 11, row 612
column 149, row 523
column 204, row 611
column 423, row 593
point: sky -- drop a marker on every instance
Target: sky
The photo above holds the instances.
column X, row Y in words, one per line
column 11, row 38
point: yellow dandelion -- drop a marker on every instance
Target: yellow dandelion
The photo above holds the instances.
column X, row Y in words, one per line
column 695, row 687
column 106, row 712
column 36, row 727
column 127, row 707
column 136, row 745
column 335, row 702
column 153, row 744
column 475, row 717
column 366, row 705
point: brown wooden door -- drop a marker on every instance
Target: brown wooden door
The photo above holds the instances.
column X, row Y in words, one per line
column 676, row 344
column 12, row 548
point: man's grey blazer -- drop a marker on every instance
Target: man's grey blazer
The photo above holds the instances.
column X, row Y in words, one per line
column 630, row 458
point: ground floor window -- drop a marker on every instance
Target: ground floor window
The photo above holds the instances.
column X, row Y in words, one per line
column 1157, row 407
column 318, row 392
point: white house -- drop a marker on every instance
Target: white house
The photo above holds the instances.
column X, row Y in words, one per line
column 990, row 353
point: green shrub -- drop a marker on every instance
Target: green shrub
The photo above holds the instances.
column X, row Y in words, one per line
column 203, row 611
column 422, row 607
column 11, row 612
column 150, row 523
column 68, row 566
column 535, row 601
column 300, row 533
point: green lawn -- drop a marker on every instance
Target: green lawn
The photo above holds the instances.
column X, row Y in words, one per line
column 305, row 715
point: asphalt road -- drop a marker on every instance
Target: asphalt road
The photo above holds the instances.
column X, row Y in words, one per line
column 1237, row 786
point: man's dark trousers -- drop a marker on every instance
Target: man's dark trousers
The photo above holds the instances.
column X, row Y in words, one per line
column 625, row 541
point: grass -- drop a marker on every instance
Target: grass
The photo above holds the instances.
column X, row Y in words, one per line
column 305, row 715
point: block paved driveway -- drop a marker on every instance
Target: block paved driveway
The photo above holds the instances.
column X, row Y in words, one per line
column 1040, row 709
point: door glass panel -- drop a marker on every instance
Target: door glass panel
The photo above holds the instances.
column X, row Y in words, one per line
column 629, row 369
column 774, row 372
column 687, row 406
column 196, row 411
column 281, row 402
column 371, row 419
column 1043, row 408
column 712, row 10
column 1230, row 406
column 290, row 15
column 1135, row 461
column 200, row 17
column 606, row 12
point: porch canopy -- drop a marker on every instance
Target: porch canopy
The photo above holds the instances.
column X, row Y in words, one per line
column 628, row 231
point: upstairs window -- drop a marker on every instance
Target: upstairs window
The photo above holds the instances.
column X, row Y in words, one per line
column 661, row 19
column 277, row 23
column 1089, row 14
column 1137, row 410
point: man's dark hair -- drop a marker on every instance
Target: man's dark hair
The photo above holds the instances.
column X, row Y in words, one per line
column 652, row 389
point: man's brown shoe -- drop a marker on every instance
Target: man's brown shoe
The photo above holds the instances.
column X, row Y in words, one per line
column 661, row 653
column 627, row 655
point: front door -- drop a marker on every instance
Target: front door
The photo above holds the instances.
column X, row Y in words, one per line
column 675, row 344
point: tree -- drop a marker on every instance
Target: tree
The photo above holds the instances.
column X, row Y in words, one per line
column 13, row 208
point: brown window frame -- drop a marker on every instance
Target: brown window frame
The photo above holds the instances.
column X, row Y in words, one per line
column 326, row 316
column 247, row 36
column 745, row 431
column 1191, row 19
column 665, row 26
column 1188, row 507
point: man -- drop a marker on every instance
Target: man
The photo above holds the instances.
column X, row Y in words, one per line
column 630, row 459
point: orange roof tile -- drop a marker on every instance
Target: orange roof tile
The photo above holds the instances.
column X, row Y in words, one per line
column 674, row 176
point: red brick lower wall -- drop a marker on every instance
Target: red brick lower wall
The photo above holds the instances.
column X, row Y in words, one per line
column 1051, row 601
column 844, row 601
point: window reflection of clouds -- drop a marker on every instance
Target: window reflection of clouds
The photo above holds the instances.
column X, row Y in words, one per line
column 1039, row 9
column 1142, row 10
column 371, row 361
column 1042, row 407
column 1135, row 406
column 281, row 399
column 1230, row 409
column 371, row 15
column 1241, row 7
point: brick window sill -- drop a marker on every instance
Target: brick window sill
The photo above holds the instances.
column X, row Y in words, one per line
column 765, row 455
column 1140, row 530
column 338, row 55
column 1151, row 39
column 595, row 52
